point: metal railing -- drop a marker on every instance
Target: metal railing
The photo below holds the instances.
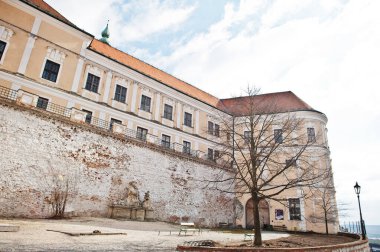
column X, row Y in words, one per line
column 100, row 123
column 8, row 93
column 11, row 94
column 352, row 227
column 58, row 109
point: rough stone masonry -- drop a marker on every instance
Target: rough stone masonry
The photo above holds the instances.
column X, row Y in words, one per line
column 38, row 151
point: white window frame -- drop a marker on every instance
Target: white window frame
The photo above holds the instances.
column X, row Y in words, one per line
column 183, row 145
column 311, row 125
column 5, row 36
column 94, row 71
column 124, row 83
column 189, row 110
column 45, row 97
column 301, row 208
column 57, row 57
column 170, row 140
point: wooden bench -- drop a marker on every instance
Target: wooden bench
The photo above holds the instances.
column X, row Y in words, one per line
column 188, row 227
column 280, row 228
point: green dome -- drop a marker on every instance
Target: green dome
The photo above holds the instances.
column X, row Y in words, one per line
column 105, row 35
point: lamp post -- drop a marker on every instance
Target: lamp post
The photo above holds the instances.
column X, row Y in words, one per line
column 357, row 191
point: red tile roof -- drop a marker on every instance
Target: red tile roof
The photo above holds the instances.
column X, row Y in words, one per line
column 46, row 8
column 152, row 72
column 264, row 103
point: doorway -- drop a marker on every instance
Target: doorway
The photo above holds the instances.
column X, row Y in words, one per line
column 263, row 212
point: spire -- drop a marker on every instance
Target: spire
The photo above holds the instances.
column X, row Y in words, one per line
column 105, row 34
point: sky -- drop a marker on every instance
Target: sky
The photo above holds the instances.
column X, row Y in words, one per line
column 327, row 52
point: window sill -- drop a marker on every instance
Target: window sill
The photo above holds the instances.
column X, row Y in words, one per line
column 210, row 134
column 92, row 92
column 52, row 82
column 188, row 126
column 119, row 101
column 167, row 119
column 145, row 111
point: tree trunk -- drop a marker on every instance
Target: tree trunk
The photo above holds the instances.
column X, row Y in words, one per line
column 256, row 218
column 326, row 223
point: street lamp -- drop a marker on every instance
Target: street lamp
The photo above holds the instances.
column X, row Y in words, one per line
column 357, row 191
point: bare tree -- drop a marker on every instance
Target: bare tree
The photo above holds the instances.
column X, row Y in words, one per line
column 326, row 209
column 58, row 184
column 268, row 149
column 59, row 192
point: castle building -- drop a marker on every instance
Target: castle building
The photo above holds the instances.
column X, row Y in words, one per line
column 48, row 64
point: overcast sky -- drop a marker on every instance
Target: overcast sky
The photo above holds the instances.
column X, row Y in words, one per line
column 326, row 52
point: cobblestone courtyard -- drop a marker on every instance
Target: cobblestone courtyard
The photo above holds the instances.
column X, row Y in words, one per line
column 141, row 236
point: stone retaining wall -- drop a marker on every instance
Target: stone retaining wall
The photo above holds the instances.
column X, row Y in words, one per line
column 37, row 151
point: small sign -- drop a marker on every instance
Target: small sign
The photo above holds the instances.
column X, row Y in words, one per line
column 279, row 214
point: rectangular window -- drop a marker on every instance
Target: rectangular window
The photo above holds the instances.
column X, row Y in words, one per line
column 42, row 103
column 216, row 130
column 88, row 116
column 228, row 136
column 2, row 48
column 50, row 71
column 92, row 83
column 290, row 162
column 120, row 94
column 216, row 154
column 186, row 147
column 210, row 154
column 311, row 135
column 168, row 112
column 188, row 119
column 247, row 137
column 145, row 103
column 113, row 120
column 141, row 133
column 278, row 136
column 210, row 128
column 294, row 209
column 165, row 141
column 213, row 129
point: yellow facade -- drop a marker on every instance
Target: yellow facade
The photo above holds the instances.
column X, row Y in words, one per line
column 36, row 40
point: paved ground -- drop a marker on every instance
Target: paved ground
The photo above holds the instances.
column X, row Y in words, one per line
column 141, row 236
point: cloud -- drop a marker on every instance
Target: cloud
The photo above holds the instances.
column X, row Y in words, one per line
column 326, row 52
column 135, row 20
column 147, row 17
column 90, row 15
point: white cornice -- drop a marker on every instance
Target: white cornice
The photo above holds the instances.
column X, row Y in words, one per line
column 306, row 115
column 312, row 115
